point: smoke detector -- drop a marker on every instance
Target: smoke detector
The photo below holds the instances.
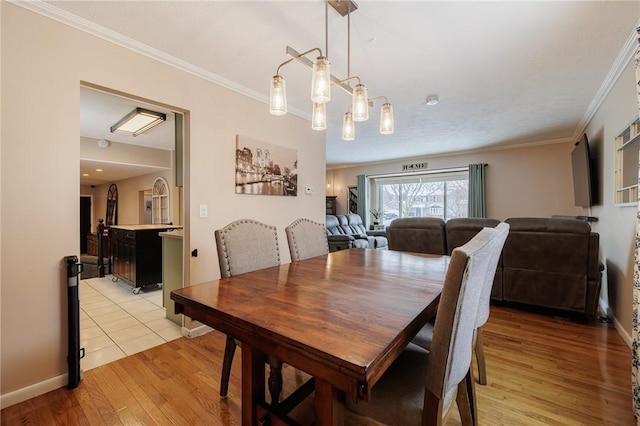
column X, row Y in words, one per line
column 432, row 100
column 103, row 143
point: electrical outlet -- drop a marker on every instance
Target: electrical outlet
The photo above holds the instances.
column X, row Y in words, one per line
column 204, row 210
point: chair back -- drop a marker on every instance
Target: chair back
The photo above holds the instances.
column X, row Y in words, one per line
column 451, row 347
column 306, row 239
column 485, row 297
column 246, row 245
column 417, row 235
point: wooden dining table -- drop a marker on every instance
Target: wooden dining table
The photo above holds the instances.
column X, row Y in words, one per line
column 343, row 318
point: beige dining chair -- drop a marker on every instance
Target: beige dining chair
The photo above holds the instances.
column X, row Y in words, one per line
column 245, row 245
column 420, row 386
column 423, row 338
column 306, row 239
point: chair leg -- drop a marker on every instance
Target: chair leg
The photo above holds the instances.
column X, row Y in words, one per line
column 229, row 351
column 466, row 401
column 433, row 410
column 482, row 372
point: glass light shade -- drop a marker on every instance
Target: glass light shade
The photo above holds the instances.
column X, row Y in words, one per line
column 321, row 81
column 360, row 103
column 386, row 119
column 348, row 128
column 319, row 116
column 278, row 96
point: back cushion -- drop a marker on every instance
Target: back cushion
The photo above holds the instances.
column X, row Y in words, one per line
column 417, row 235
column 551, row 245
column 333, row 226
column 344, row 224
column 356, row 225
column 460, row 231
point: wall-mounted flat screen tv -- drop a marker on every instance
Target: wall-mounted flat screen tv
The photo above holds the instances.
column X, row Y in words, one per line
column 583, row 182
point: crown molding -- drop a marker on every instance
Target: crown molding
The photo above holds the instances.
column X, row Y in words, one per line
column 74, row 21
column 626, row 54
column 426, row 157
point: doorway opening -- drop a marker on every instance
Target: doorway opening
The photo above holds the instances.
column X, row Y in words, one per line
column 114, row 321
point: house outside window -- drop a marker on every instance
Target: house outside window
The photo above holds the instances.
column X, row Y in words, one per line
column 435, row 194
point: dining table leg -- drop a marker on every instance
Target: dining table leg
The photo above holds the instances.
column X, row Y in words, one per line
column 328, row 408
column 253, row 390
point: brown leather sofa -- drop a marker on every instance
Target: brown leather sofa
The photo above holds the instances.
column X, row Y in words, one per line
column 546, row 262
column 553, row 263
column 345, row 231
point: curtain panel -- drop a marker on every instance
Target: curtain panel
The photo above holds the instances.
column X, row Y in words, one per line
column 635, row 332
column 477, row 206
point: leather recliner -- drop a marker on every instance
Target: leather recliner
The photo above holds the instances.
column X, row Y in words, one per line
column 348, row 231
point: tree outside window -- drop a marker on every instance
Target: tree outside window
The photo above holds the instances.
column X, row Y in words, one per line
column 443, row 196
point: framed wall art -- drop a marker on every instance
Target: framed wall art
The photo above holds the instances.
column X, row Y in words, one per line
column 264, row 168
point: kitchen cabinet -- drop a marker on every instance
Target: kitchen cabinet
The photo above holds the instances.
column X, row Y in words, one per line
column 137, row 254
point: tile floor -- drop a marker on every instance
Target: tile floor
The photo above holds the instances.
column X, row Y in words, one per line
column 115, row 323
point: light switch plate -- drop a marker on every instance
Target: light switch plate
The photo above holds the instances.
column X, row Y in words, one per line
column 204, row 210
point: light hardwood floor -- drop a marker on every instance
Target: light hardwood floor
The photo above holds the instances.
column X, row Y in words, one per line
column 541, row 370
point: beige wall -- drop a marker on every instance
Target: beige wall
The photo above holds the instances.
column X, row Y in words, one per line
column 616, row 224
column 43, row 63
column 129, row 198
column 532, row 181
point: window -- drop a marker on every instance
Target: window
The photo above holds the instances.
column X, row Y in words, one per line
column 626, row 165
column 160, row 202
column 435, row 194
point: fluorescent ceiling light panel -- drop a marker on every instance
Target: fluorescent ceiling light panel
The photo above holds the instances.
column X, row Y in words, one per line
column 138, row 121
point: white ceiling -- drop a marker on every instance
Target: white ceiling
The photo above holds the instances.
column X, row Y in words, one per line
column 98, row 112
column 506, row 73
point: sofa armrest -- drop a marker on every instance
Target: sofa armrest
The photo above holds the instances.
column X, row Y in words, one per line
column 340, row 238
column 377, row 233
column 340, row 242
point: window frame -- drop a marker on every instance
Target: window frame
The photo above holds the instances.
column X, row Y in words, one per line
column 377, row 183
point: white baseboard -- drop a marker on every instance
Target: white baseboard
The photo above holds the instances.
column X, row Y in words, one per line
column 619, row 328
column 37, row 389
column 622, row 332
column 196, row 331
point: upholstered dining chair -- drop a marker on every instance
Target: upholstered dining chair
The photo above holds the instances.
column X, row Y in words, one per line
column 424, row 336
column 420, row 386
column 244, row 245
column 306, row 239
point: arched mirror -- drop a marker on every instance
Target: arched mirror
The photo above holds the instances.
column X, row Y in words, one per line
column 160, row 202
column 112, row 206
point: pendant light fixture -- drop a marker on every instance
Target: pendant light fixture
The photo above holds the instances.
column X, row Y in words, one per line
column 278, row 96
column 360, row 105
column 348, row 129
column 319, row 116
column 322, row 80
column 386, row 119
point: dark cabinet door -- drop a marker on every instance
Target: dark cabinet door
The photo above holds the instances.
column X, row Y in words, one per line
column 137, row 256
